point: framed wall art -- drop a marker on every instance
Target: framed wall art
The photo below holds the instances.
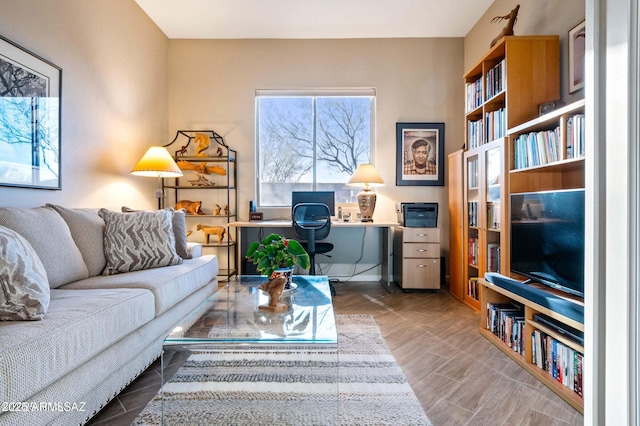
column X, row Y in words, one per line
column 30, row 89
column 420, row 154
column 576, row 57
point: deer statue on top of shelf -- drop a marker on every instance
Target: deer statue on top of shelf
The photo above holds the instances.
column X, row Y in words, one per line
column 508, row 29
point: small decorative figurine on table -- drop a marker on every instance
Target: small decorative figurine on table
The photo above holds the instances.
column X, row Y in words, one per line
column 218, row 231
column 274, row 288
column 191, row 207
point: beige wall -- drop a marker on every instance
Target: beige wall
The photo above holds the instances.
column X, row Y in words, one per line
column 213, row 82
column 114, row 95
column 539, row 17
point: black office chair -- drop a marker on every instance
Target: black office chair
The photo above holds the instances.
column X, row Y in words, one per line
column 312, row 223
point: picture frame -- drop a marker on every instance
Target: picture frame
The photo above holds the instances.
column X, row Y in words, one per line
column 576, row 57
column 30, row 108
column 416, row 161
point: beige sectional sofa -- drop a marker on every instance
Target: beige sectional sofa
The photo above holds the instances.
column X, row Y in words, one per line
column 72, row 338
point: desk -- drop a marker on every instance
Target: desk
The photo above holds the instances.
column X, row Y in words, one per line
column 386, row 259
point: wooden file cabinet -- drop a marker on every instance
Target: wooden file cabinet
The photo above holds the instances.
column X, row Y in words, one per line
column 416, row 257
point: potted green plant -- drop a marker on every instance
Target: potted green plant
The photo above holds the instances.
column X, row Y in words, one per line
column 276, row 252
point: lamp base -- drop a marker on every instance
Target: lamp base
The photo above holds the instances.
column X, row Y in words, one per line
column 367, row 204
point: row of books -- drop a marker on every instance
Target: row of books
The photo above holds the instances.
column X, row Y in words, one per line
column 474, row 250
column 563, row 362
column 473, row 213
column 475, row 136
column 496, row 124
column 493, row 257
column 575, row 136
column 506, row 321
column 474, row 95
column 472, row 288
column 493, row 215
column 496, row 77
column 473, row 174
column 536, row 148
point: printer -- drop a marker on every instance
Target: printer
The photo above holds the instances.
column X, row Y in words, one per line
column 417, row 215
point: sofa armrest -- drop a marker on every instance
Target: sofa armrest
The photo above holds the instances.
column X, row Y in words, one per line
column 194, row 249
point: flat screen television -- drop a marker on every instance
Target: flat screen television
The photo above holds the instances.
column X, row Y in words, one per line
column 547, row 238
column 324, row 197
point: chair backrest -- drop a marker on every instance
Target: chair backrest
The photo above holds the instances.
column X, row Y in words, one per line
column 311, row 218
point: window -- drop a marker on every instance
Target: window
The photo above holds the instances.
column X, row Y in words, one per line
column 311, row 141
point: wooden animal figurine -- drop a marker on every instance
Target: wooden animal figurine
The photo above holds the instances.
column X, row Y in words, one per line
column 226, row 210
column 216, row 212
column 201, row 168
column 202, row 144
column 274, row 288
column 508, row 29
column 182, row 151
column 218, row 231
column 200, row 180
column 191, row 207
column 219, row 152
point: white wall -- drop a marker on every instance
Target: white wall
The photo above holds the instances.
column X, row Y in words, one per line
column 212, row 84
column 114, row 95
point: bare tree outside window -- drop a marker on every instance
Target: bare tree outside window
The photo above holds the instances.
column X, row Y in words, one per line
column 311, row 143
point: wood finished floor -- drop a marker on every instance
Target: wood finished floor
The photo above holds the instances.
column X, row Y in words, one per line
column 458, row 376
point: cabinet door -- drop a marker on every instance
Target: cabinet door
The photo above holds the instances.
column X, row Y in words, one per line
column 456, row 223
column 421, row 273
column 493, row 177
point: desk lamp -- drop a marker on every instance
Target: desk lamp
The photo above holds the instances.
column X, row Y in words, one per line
column 366, row 177
column 157, row 162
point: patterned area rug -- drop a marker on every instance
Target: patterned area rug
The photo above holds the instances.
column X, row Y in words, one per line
column 292, row 385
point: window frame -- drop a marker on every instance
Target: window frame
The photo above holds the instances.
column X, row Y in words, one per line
column 313, row 93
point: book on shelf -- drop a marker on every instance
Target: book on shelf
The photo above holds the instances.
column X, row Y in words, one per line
column 575, row 136
column 473, row 174
column 496, row 77
column 493, row 257
column 506, row 320
column 473, row 213
column 536, row 148
column 475, row 135
column 474, row 94
column 495, row 124
column 493, row 215
column 562, row 362
column 473, row 251
column 472, row 288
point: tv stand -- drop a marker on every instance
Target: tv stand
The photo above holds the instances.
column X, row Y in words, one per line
column 536, row 299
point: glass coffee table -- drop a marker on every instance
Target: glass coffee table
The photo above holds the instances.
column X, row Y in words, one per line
column 230, row 362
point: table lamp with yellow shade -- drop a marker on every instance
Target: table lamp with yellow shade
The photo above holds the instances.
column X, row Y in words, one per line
column 157, row 162
column 366, row 176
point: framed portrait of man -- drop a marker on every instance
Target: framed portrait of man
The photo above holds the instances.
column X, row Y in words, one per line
column 420, row 154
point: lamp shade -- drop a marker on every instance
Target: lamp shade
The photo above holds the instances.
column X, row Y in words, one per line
column 157, row 162
column 366, row 175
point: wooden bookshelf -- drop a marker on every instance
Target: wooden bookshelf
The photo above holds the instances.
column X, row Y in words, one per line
column 504, row 89
column 493, row 294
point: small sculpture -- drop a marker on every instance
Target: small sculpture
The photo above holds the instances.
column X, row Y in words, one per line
column 226, row 210
column 191, row 207
column 508, row 29
column 202, row 144
column 201, row 168
column 219, row 152
column 216, row 212
column 189, row 233
column 274, row 288
column 182, row 151
column 200, row 181
column 218, row 231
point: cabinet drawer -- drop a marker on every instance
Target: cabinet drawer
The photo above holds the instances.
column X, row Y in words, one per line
column 421, row 273
column 421, row 235
column 421, row 250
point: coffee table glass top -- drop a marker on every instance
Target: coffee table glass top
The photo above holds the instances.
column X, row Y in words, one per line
column 232, row 315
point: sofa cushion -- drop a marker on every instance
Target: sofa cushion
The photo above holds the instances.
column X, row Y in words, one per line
column 179, row 229
column 138, row 240
column 78, row 326
column 24, row 288
column 169, row 285
column 51, row 239
column 87, row 229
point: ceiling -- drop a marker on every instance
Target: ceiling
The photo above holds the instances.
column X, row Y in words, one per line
column 300, row 19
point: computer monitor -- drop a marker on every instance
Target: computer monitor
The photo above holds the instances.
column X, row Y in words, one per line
column 324, row 197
